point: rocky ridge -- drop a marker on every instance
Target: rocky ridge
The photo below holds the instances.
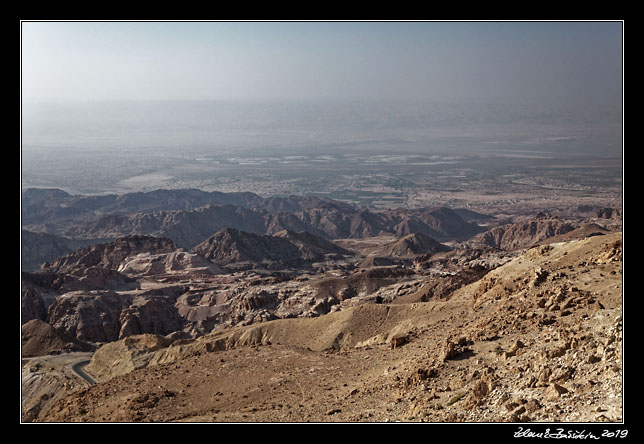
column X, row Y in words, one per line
column 524, row 233
column 229, row 247
column 312, row 247
column 40, row 338
column 187, row 228
column 109, row 255
column 413, row 245
column 54, row 206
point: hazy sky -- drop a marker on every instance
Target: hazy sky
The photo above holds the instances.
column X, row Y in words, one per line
column 572, row 62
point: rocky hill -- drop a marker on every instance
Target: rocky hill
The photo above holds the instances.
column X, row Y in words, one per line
column 582, row 232
column 230, row 245
column 538, row 339
column 525, row 233
column 40, row 338
column 312, row 247
column 109, row 255
column 412, row 245
column 105, row 316
column 186, row 228
column 440, row 223
column 107, row 291
column 35, row 296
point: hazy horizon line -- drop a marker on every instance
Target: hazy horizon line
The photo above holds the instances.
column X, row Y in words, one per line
column 79, row 101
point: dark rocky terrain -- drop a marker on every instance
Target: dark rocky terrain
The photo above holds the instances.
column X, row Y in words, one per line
column 412, row 245
column 524, row 233
column 109, row 255
column 37, row 248
column 40, row 338
column 107, row 217
column 231, row 247
column 162, row 283
column 53, row 207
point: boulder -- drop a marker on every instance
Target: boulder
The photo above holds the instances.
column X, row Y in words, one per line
column 554, row 391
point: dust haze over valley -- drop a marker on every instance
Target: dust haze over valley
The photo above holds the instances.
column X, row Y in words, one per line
column 379, row 154
column 394, row 221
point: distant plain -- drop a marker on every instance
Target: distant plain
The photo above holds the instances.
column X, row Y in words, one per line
column 380, row 155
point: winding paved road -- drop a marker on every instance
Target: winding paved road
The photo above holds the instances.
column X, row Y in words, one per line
column 78, row 369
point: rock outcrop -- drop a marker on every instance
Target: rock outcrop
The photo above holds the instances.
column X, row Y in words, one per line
column 110, row 255
column 173, row 263
column 92, row 316
column 32, row 304
column 105, row 316
column 524, row 234
column 412, row 245
column 231, row 246
column 39, row 338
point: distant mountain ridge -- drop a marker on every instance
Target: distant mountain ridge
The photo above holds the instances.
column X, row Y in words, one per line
column 189, row 228
column 189, row 217
column 44, row 205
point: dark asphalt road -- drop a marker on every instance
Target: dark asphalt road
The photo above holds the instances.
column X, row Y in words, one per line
column 78, row 369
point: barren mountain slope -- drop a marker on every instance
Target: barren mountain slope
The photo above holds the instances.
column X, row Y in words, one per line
column 537, row 339
column 312, row 247
column 56, row 207
column 230, row 246
column 40, row 338
column 525, row 233
column 584, row 231
column 111, row 254
column 107, row 291
column 412, row 245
